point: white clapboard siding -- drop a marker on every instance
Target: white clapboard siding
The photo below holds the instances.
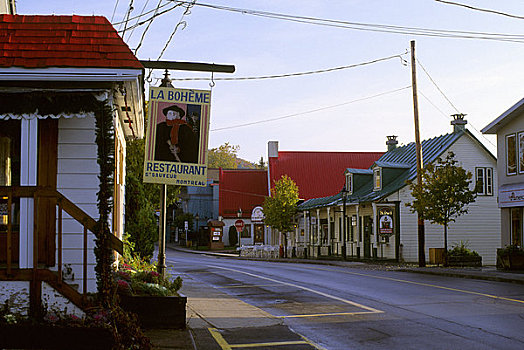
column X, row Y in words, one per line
column 480, row 228
column 77, row 179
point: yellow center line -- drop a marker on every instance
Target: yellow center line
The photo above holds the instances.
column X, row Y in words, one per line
column 425, row 285
column 277, row 343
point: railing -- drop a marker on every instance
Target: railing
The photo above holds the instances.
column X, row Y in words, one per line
column 36, row 275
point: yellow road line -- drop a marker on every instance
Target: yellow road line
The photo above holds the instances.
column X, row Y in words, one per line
column 277, row 343
column 224, row 345
column 425, row 285
column 329, row 314
column 372, row 310
column 219, row 339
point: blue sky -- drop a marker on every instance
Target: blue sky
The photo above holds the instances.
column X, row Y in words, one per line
column 481, row 78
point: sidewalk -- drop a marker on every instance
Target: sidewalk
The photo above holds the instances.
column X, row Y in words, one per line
column 222, row 311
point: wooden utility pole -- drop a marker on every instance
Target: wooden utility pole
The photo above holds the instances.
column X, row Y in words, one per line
column 421, row 237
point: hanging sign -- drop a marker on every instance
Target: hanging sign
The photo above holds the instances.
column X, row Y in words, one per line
column 177, row 136
column 385, row 221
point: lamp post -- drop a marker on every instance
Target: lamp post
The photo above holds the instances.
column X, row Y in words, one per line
column 344, row 198
column 239, row 215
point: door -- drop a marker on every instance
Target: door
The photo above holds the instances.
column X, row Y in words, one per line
column 9, row 176
column 259, row 233
column 368, row 228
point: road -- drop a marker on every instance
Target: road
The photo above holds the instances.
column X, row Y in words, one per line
column 360, row 307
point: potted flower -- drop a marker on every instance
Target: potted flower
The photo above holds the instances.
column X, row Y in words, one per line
column 510, row 257
column 461, row 256
column 155, row 300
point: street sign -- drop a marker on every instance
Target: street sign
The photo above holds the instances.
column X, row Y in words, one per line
column 239, row 224
column 186, row 225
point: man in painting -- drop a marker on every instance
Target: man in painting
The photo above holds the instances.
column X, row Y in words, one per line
column 175, row 138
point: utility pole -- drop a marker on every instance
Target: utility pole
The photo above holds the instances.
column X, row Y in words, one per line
column 421, row 237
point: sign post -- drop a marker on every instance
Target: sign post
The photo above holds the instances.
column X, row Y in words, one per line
column 239, row 225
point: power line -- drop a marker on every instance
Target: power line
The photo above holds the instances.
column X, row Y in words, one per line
column 438, row 88
column 303, row 73
column 138, row 18
column 114, row 10
column 181, row 24
column 127, row 15
column 480, row 9
column 311, row 111
column 373, row 27
column 148, row 25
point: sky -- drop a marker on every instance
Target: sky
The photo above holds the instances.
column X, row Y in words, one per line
column 351, row 109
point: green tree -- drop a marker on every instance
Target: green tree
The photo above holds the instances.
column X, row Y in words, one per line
column 142, row 200
column 225, row 156
column 261, row 164
column 444, row 194
column 281, row 207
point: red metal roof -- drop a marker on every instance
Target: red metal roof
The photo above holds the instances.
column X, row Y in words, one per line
column 318, row 174
column 244, row 189
column 62, row 41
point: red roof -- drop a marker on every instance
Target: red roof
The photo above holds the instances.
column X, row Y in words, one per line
column 62, row 41
column 241, row 189
column 318, row 174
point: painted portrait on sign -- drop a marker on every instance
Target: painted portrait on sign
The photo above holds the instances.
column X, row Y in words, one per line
column 177, row 133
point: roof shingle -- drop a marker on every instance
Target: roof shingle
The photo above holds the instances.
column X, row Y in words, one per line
column 62, row 41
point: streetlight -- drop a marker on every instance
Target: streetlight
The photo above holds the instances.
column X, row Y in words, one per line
column 344, row 198
column 239, row 215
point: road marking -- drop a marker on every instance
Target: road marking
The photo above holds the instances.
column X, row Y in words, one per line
column 224, row 345
column 248, row 286
column 425, row 285
column 329, row 314
column 370, row 309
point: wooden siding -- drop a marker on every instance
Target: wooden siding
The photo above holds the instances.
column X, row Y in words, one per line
column 480, row 228
column 78, row 181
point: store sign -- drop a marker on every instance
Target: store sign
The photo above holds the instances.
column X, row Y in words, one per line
column 257, row 215
column 511, row 195
column 385, row 221
column 177, row 137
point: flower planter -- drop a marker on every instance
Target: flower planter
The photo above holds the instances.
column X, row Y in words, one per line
column 25, row 336
column 157, row 311
column 464, row 261
column 510, row 261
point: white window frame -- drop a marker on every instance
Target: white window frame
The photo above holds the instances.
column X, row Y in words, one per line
column 487, row 181
column 519, row 143
column 377, row 174
column 507, row 154
column 349, row 183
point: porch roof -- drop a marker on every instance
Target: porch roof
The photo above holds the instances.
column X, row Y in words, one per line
column 62, row 41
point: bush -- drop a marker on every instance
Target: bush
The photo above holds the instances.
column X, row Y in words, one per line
column 461, row 249
column 511, row 250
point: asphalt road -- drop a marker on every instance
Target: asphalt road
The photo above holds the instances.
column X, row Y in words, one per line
column 359, row 308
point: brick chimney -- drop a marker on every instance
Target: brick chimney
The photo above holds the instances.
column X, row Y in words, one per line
column 458, row 122
column 391, row 142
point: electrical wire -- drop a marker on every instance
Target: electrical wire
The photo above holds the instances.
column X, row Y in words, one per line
column 149, row 19
column 518, row 38
column 138, row 18
column 302, row 73
column 438, row 88
column 130, row 9
column 147, row 28
column 309, row 112
column 480, row 9
column 181, row 24
column 114, row 10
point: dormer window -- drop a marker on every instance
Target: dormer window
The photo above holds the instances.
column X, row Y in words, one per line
column 349, row 183
column 377, row 179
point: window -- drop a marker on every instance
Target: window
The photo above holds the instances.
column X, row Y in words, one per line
column 516, row 226
column 521, row 152
column 484, row 181
column 511, row 154
column 349, row 183
column 377, row 179
column 246, row 232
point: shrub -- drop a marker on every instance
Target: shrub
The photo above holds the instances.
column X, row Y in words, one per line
column 461, row 249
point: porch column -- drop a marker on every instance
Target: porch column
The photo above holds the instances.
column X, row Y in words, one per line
column 358, row 229
column 28, row 177
column 329, row 225
column 318, row 228
column 375, row 226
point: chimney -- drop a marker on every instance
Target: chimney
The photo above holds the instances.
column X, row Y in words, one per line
column 391, row 142
column 272, row 149
column 458, row 122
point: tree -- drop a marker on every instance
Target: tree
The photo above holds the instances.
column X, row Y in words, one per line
column 142, row 199
column 281, row 207
column 225, row 156
column 261, row 164
column 444, row 194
